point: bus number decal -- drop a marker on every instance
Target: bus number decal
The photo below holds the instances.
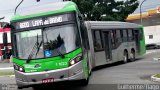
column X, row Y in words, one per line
column 61, row 64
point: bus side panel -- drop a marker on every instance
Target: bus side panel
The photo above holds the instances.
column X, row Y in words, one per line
column 91, row 51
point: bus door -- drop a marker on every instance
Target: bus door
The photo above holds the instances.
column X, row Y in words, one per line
column 107, row 45
column 137, row 39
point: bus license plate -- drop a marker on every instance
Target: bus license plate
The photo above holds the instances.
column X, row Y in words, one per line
column 50, row 80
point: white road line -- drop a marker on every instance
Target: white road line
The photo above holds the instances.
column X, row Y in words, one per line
column 8, row 76
column 8, row 68
column 149, row 52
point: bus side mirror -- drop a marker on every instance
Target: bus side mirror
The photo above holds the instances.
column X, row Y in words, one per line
column 5, row 41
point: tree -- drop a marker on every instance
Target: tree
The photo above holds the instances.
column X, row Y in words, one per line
column 106, row 10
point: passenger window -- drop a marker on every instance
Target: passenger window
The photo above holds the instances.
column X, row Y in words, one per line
column 113, row 39
column 84, row 35
column 118, row 37
column 121, row 31
column 133, row 35
column 130, row 36
column 98, row 44
column 124, row 35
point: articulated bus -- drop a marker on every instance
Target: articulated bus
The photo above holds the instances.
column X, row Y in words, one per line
column 114, row 41
column 51, row 43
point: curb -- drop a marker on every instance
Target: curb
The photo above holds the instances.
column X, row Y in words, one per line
column 153, row 78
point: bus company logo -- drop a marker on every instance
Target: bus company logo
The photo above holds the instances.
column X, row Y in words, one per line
column 37, row 66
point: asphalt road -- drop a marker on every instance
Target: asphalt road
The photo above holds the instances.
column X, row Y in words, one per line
column 110, row 77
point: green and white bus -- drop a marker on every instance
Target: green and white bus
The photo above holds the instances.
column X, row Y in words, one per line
column 48, row 45
column 52, row 43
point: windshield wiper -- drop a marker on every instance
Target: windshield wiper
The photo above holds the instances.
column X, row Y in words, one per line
column 33, row 50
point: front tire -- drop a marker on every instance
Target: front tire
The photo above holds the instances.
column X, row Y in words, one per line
column 84, row 82
column 19, row 88
column 36, row 87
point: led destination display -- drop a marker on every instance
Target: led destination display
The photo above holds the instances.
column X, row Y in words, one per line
column 44, row 21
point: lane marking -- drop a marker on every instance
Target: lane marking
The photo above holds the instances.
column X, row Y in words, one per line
column 7, row 76
column 8, row 68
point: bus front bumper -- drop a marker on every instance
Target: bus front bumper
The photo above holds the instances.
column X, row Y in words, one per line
column 74, row 72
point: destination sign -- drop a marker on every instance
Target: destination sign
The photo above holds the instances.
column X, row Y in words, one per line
column 44, row 21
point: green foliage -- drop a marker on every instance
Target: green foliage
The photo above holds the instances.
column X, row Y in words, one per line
column 106, row 10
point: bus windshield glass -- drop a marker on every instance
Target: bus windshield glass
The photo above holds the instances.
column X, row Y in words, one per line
column 47, row 42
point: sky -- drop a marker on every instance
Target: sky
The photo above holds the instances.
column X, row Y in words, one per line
column 7, row 6
column 148, row 4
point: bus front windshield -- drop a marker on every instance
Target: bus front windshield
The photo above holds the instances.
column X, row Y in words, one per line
column 47, row 42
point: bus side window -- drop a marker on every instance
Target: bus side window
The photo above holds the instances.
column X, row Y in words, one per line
column 118, row 37
column 124, row 35
column 138, row 34
column 130, row 35
column 84, row 35
column 133, row 35
column 113, row 39
column 121, row 31
column 98, row 45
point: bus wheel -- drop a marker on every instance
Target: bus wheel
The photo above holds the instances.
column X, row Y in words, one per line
column 84, row 82
column 125, row 57
column 132, row 55
column 36, row 87
column 19, row 88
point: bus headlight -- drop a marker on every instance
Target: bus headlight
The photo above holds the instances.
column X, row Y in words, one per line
column 72, row 62
column 18, row 68
column 75, row 60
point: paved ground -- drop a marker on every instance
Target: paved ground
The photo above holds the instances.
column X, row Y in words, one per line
column 137, row 72
column 152, row 51
column 110, row 76
column 6, row 65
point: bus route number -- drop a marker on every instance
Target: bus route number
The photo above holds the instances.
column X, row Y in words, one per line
column 24, row 25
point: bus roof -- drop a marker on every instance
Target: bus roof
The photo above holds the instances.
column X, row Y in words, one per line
column 111, row 24
column 46, row 9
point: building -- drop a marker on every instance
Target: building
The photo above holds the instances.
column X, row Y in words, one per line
column 151, row 23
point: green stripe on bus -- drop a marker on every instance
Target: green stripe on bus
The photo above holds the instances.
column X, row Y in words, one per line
column 49, row 63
